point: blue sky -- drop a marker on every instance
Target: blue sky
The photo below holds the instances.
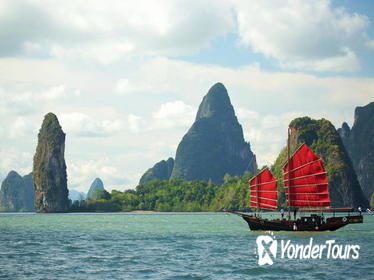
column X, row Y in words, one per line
column 125, row 79
column 227, row 51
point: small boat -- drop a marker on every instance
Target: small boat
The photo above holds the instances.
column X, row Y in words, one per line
column 306, row 190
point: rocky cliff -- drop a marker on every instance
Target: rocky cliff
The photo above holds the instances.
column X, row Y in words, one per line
column 97, row 184
column 49, row 169
column 17, row 193
column 161, row 170
column 214, row 145
column 30, row 192
column 359, row 142
column 322, row 137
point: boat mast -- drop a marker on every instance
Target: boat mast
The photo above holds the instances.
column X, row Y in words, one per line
column 289, row 172
column 256, row 182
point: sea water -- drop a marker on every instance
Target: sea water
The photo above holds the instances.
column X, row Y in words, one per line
column 166, row 246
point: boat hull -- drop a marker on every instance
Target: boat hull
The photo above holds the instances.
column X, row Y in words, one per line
column 311, row 223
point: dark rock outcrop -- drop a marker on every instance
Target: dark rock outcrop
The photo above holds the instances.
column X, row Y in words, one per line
column 17, row 193
column 359, row 142
column 97, row 184
column 49, row 171
column 161, row 170
column 214, row 145
column 322, row 137
column 344, row 131
column 30, row 192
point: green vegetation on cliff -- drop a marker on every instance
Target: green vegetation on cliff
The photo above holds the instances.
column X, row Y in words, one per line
column 322, row 137
column 49, row 169
column 174, row 195
column 277, row 170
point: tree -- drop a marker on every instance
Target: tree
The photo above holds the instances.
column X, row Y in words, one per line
column 100, row 194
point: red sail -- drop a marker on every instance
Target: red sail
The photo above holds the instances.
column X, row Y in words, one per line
column 307, row 185
column 263, row 189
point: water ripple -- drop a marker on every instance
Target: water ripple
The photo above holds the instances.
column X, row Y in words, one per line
column 161, row 246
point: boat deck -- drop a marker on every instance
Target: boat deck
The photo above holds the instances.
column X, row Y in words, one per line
column 307, row 223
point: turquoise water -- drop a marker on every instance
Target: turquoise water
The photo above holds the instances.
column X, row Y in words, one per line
column 163, row 246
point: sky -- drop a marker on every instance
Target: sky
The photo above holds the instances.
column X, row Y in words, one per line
column 125, row 78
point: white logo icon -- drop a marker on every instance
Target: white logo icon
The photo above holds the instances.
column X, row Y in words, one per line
column 267, row 249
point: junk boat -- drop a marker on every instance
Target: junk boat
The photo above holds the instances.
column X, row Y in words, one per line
column 306, row 189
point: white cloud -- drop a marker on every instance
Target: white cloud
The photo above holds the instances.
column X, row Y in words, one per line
column 24, row 98
column 124, row 31
column 172, row 109
column 173, row 114
column 54, row 92
column 94, row 30
column 134, row 123
column 247, row 85
column 244, row 113
column 81, row 173
column 83, row 125
column 21, row 127
column 14, row 159
column 31, row 96
column 105, row 53
column 169, row 115
column 348, row 62
column 266, row 133
column 370, row 44
column 122, row 87
column 307, row 35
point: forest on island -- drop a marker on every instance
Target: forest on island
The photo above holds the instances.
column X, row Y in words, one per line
column 173, row 195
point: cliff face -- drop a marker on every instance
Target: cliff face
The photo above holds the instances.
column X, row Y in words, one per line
column 17, row 194
column 323, row 139
column 161, row 170
column 97, row 184
column 30, row 192
column 214, row 145
column 49, row 170
column 359, row 142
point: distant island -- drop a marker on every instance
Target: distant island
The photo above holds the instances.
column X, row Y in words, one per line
column 211, row 169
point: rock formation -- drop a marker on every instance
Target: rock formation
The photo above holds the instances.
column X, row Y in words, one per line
column 30, row 192
column 49, row 170
column 214, row 145
column 359, row 141
column 97, row 184
column 17, row 193
column 161, row 170
column 323, row 139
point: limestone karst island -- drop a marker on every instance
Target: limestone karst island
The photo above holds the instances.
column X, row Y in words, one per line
column 179, row 139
